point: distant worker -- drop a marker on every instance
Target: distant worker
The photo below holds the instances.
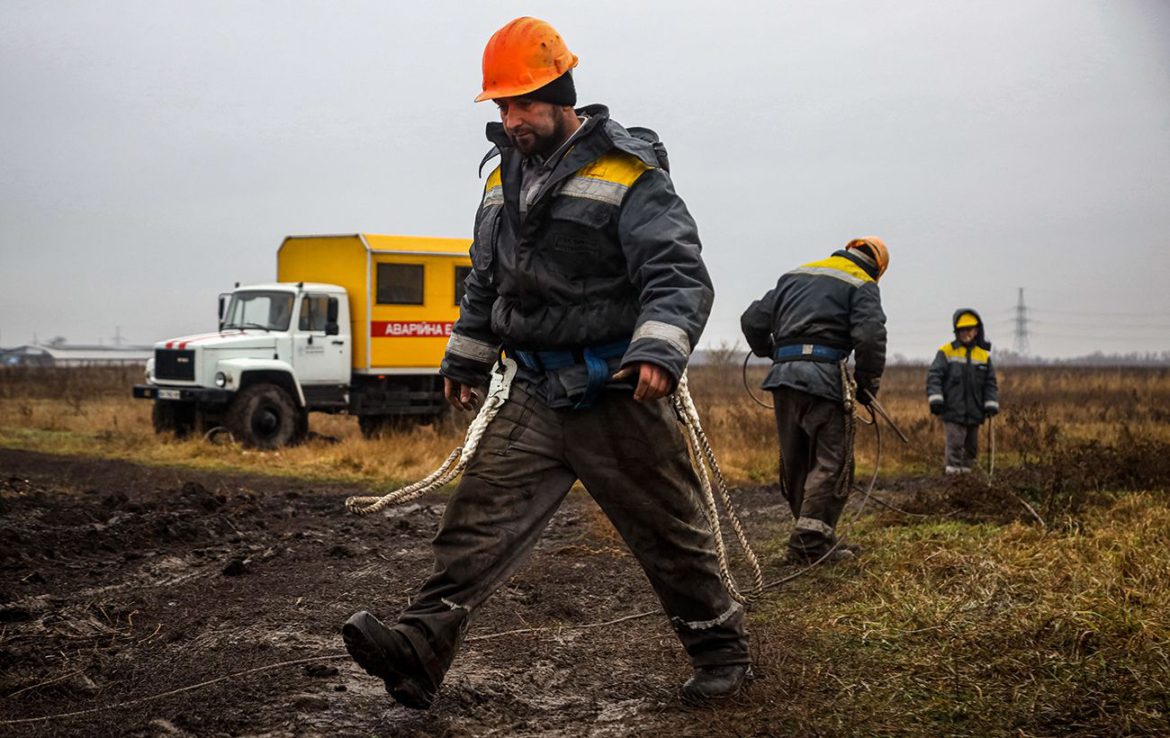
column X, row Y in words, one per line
column 808, row 324
column 961, row 387
column 587, row 269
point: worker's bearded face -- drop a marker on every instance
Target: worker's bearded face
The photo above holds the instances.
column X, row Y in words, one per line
column 533, row 127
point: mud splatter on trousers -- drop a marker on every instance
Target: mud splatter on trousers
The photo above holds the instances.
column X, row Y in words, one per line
column 813, row 458
column 632, row 458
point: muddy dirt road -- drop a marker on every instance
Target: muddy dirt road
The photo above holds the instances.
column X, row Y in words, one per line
column 119, row 582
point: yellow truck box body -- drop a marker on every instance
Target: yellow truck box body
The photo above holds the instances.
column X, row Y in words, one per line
column 403, row 292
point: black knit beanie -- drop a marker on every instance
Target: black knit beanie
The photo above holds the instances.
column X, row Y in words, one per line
column 558, row 92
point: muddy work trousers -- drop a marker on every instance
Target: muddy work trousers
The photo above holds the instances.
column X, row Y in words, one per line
column 816, row 468
column 962, row 443
column 632, row 458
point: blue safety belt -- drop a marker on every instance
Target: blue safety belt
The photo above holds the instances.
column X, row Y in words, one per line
column 809, row 352
column 595, row 359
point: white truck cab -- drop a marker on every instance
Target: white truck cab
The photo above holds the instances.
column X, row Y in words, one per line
column 369, row 346
column 280, row 351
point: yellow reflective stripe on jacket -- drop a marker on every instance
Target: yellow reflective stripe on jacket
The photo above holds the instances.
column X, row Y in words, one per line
column 606, row 179
column 837, row 267
column 979, row 355
column 493, row 190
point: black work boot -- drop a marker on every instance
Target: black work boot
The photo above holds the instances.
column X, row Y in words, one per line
column 714, row 682
column 387, row 655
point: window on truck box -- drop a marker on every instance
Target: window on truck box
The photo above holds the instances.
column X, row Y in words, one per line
column 400, row 284
column 313, row 313
column 460, row 277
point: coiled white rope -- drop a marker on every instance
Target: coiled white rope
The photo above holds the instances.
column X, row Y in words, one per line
column 703, row 457
column 701, row 453
column 497, row 395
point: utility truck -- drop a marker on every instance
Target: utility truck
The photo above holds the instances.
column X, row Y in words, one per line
column 354, row 324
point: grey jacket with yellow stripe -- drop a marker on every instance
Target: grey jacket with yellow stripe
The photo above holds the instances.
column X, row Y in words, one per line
column 834, row 303
column 607, row 252
column 962, row 378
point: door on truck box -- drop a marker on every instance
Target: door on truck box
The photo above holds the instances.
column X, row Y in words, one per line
column 319, row 358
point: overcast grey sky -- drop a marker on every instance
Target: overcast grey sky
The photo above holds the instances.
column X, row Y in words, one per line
column 154, row 153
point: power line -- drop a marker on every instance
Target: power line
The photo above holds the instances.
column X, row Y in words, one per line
column 1098, row 337
column 1105, row 326
column 1099, row 313
column 1151, row 329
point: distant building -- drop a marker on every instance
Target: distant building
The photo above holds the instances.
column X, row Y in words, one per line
column 64, row 355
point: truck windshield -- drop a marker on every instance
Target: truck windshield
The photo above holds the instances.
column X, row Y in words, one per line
column 269, row 311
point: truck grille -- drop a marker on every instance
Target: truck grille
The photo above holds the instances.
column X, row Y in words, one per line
column 174, row 364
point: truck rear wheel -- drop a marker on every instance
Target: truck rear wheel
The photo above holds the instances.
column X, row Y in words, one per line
column 168, row 416
column 264, row 416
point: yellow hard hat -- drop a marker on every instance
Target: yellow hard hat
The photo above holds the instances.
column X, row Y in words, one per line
column 875, row 248
column 967, row 320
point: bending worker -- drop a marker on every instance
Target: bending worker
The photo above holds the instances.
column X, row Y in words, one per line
column 586, row 269
column 808, row 324
column 961, row 387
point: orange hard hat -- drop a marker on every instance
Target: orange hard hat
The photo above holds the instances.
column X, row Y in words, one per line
column 874, row 247
column 521, row 57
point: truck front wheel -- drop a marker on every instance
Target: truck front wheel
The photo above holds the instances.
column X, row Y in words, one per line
column 264, row 416
column 168, row 416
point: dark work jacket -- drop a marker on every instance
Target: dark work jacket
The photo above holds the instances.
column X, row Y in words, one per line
column 606, row 253
column 834, row 302
column 963, row 378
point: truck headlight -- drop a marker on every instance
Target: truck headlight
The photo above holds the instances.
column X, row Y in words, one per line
column 220, row 379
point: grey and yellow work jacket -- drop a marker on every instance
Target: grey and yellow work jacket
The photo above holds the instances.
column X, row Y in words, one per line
column 604, row 269
column 815, row 316
column 963, row 379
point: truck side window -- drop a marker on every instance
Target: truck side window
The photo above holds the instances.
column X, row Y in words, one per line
column 400, row 284
column 460, row 277
column 313, row 313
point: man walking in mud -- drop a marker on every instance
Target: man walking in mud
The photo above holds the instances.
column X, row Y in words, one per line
column 587, row 271
column 808, row 324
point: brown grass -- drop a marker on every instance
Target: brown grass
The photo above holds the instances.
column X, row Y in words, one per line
column 1043, row 406
column 977, row 622
column 954, row 628
column 90, row 410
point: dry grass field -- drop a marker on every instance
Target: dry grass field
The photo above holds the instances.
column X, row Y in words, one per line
column 1045, row 407
column 89, row 411
column 974, row 614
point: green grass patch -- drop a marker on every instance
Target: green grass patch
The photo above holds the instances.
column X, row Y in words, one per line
column 953, row 628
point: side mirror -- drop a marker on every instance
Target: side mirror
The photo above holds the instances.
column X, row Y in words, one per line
column 222, row 305
column 331, row 327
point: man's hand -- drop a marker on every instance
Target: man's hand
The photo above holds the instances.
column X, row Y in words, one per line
column 936, row 408
column 654, row 382
column 865, row 395
column 461, row 396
